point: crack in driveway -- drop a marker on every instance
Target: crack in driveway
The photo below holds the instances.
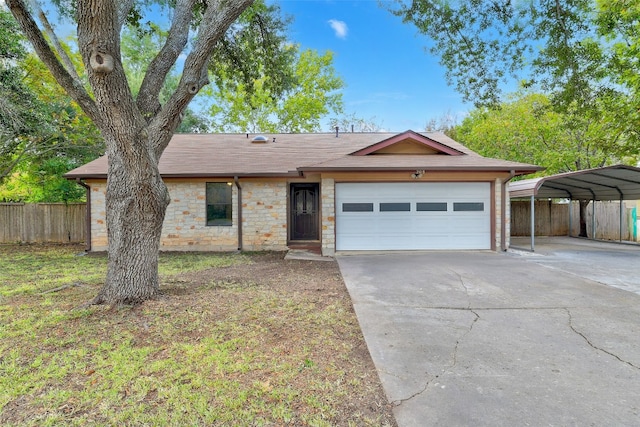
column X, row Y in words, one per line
column 534, row 343
column 454, row 359
column 588, row 341
column 464, row 285
column 454, row 355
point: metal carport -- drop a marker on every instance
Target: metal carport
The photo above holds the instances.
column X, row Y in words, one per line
column 619, row 182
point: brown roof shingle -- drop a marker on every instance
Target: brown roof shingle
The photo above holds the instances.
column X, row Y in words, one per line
column 208, row 155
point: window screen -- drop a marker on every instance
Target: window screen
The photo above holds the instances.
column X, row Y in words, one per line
column 219, row 211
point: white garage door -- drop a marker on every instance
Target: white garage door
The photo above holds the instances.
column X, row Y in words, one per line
column 397, row 216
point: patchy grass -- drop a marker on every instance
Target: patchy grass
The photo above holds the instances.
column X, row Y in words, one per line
column 237, row 340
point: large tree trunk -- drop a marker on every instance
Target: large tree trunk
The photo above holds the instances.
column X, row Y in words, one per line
column 136, row 203
column 136, row 132
column 583, row 218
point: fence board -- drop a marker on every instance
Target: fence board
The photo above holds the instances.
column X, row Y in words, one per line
column 42, row 223
column 552, row 219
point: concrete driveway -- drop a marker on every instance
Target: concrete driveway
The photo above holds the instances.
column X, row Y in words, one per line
column 492, row 339
column 608, row 263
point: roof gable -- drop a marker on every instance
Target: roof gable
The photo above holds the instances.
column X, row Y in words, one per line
column 408, row 142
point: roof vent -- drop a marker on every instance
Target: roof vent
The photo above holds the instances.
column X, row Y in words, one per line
column 259, row 139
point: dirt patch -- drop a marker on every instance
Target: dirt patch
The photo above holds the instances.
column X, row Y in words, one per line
column 261, row 341
column 317, row 289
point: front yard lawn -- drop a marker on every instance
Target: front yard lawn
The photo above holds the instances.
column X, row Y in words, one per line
column 235, row 340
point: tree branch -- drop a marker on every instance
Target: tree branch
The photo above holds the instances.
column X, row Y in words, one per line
column 217, row 18
column 42, row 48
column 71, row 69
column 33, row 143
column 148, row 97
column 124, row 7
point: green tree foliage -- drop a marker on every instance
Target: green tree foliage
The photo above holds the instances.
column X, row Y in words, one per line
column 254, row 108
column 486, row 43
column 619, row 22
column 139, row 44
column 264, row 83
column 551, row 46
column 43, row 132
column 21, row 112
column 254, row 47
column 260, row 80
column 527, row 129
column 33, row 182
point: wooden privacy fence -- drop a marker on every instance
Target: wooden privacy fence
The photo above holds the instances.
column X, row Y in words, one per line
column 552, row 219
column 42, row 222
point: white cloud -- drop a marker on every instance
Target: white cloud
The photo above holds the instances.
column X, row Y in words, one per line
column 339, row 27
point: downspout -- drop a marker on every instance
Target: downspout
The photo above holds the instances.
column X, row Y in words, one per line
column 237, row 182
column 87, row 217
column 503, row 228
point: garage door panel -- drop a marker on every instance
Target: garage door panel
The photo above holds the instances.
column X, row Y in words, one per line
column 471, row 225
column 434, row 224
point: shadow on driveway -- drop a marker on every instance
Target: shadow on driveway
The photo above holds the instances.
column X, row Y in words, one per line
column 491, row 339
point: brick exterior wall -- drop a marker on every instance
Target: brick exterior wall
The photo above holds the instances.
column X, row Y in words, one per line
column 185, row 223
column 264, row 215
column 497, row 186
column 507, row 218
column 98, row 215
column 264, row 218
column 328, row 222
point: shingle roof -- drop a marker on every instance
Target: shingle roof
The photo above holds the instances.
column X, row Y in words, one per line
column 208, row 155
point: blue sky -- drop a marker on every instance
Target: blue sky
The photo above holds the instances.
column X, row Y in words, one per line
column 388, row 74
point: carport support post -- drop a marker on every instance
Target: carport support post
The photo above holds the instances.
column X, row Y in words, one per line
column 593, row 219
column 570, row 215
column 621, row 217
column 533, row 223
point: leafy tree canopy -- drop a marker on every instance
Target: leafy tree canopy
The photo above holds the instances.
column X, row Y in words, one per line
column 579, row 52
column 261, row 82
column 43, row 132
column 527, row 129
column 486, row 43
column 253, row 107
column 136, row 128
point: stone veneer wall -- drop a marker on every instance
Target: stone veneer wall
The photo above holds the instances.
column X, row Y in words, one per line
column 98, row 215
column 328, row 209
column 264, row 218
column 185, row 223
column 507, row 217
column 264, row 215
column 497, row 190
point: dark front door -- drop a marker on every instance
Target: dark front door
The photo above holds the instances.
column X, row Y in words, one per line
column 304, row 211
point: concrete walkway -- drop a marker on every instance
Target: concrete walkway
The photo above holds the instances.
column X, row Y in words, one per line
column 490, row 339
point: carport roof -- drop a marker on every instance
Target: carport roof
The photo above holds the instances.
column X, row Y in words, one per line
column 618, row 182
